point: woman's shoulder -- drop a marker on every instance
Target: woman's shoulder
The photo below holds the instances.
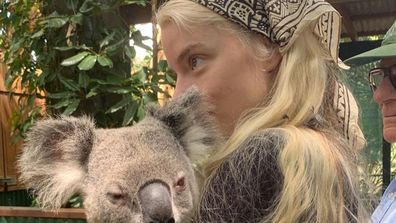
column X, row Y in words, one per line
column 245, row 186
column 262, row 143
column 257, row 155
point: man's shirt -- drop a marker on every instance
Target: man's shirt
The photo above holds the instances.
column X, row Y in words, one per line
column 386, row 210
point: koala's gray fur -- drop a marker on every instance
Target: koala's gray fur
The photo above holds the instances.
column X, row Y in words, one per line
column 142, row 173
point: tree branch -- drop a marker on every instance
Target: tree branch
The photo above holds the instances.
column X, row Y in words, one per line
column 21, row 94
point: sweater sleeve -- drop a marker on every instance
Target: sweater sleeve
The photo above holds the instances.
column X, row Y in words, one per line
column 245, row 186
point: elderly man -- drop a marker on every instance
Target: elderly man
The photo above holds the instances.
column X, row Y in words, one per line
column 383, row 83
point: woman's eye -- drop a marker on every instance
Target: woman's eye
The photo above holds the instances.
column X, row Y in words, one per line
column 195, row 62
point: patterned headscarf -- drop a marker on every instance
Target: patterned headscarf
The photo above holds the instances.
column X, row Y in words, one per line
column 282, row 20
column 348, row 116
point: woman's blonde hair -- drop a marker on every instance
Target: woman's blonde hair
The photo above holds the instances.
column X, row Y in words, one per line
column 320, row 170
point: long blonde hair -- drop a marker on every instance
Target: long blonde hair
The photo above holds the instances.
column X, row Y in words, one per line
column 320, row 170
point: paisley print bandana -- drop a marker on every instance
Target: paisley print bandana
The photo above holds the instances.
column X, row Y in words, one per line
column 282, row 20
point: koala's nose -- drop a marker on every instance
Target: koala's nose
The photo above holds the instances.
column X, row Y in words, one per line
column 155, row 200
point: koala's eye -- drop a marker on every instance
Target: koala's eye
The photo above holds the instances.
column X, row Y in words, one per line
column 116, row 198
column 180, row 184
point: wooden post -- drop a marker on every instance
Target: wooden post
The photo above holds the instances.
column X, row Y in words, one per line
column 63, row 213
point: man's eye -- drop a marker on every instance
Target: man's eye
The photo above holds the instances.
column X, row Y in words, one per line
column 195, row 62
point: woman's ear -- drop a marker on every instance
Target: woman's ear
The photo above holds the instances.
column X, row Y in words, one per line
column 271, row 65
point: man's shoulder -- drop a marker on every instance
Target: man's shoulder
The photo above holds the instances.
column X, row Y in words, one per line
column 386, row 210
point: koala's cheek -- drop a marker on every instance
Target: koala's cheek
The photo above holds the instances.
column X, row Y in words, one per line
column 137, row 218
column 94, row 211
column 90, row 209
column 100, row 210
column 182, row 205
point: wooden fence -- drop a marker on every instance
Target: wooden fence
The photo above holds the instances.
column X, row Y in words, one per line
column 32, row 215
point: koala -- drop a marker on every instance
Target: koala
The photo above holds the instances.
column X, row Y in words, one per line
column 139, row 174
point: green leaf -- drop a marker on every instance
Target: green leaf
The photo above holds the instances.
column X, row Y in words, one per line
column 149, row 97
column 37, row 34
column 111, row 79
column 69, row 84
column 99, row 81
column 61, row 104
column 141, row 76
column 16, row 45
column 106, row 40
column 72, row 107
column 56, row 22
column 130, row 113
column 93, row 92
column 71, row 4
column 76, row 201
column 86, row 6
column 83, row 80
column 140, row 112
column 155, row 78
column 138, row 2
column 130, row 51
column 105, row 61
column 138, row 39
column 114, row 79
column 65, row 94
column 26, row 126
column 119, row 90
column 77, row 18
column 114, row 47
column 65, row 48
column 31, row 100
column 121, row 104
column 162, row 65
column 74, row 59
column 88, row 62
column 169, row 78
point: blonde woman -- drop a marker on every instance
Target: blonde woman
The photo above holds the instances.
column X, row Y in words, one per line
column 270, row 70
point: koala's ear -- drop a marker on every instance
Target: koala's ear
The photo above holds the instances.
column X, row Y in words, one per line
column 53, row 161
column 189, row 119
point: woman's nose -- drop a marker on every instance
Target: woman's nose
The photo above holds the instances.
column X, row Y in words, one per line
column 181, row 86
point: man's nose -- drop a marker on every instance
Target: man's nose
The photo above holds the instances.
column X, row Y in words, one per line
column 384, row 90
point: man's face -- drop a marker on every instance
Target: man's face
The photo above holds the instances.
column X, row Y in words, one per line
column 385, row 96
column 220, row 66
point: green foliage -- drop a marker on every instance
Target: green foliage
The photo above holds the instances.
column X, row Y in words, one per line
column 77, row 54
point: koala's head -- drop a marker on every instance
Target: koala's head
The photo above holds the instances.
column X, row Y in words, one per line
column 142, row 173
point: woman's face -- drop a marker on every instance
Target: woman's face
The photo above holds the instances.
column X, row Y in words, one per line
column 385, row 96
column 217, row 63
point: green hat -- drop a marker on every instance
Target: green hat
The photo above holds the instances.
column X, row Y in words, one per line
column 387, row 49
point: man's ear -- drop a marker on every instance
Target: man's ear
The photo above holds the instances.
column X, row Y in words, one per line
column 54, row 159
column 189, row 119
